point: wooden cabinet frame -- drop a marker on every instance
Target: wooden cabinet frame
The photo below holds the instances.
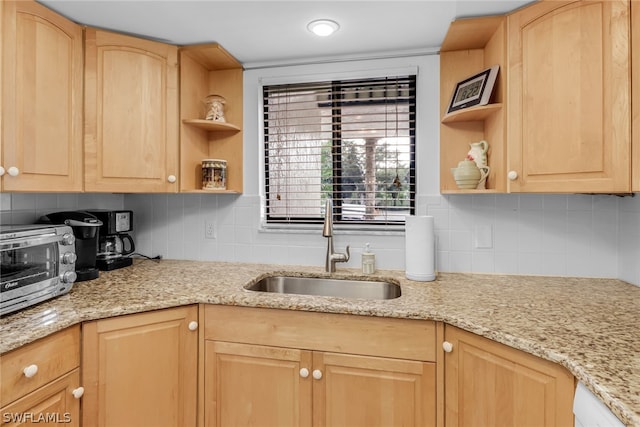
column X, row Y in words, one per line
column 210, row 70
column 470, row 46
column 368, row 353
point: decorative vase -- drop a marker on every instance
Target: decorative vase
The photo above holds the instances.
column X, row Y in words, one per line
column 215, row 108
column 467, row 174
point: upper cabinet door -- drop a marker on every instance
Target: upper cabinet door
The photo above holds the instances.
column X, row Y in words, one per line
column 131, row 114
column 569, row 97
column 41, row 99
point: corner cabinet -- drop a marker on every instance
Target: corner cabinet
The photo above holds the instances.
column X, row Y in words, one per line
column 470, row 46
column 131, row 110
column 141, row 369
column 210, row 70
column 569, row 127
column 42, row 77
column 560, row 117
column 487, row 383
column 290, row 368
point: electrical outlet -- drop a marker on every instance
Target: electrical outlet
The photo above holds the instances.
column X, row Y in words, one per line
column 484, row 237
column 210, row 229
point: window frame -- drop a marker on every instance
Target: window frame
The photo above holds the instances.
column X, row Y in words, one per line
column 349, row 224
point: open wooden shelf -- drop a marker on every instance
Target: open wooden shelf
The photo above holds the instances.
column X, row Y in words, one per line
column 470, row 191
column 472, row 113
column 212, row 191
column 205, row 70
column 211, row 126
column 472, row 45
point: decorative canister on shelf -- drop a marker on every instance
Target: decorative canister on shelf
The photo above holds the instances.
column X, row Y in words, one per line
column 215, row 108
column 478, row 153
column 468, row 175
column 214, row 174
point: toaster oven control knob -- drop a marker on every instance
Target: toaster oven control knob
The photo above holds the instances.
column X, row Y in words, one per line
column 68, row 277
column 69, row 258
column 68, row 239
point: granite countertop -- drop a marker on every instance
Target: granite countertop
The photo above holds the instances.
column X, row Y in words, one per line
column 591, row 326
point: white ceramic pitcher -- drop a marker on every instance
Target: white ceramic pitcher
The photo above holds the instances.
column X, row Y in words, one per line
column 478, row 152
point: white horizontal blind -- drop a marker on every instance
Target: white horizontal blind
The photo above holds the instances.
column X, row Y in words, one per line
column 351, row 140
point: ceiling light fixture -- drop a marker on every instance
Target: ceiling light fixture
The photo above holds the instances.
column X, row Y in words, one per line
column 323, row 27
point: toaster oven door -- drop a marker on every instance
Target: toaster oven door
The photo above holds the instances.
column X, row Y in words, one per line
column 28, row 273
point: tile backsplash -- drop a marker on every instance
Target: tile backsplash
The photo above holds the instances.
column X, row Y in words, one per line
column 551, row 234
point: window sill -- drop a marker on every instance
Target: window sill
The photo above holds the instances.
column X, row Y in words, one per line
column 378, row 230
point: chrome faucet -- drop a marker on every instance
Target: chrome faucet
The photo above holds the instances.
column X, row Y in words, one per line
column 327, row 231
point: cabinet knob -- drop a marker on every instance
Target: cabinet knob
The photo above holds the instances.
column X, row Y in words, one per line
column 171, row 178
column 30, row 371
column 512, row 175
column 447, row 346
column 77, row 392
column 304, row 372
column 193, row 325
column 13, row 171
column 317, row 374
column 1, row 171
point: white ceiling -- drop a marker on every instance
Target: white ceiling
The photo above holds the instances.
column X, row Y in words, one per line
column 264, row 32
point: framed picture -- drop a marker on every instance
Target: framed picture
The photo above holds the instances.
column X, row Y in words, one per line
column 474, row 90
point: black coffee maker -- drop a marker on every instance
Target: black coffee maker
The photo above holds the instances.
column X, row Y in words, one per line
column 85, row 228
column 115, row 244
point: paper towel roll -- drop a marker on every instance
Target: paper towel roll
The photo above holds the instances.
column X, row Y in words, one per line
column 420, row 248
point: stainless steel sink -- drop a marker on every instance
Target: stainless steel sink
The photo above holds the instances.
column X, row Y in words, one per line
column 343, row 288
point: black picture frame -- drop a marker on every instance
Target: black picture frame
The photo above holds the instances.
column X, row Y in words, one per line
column 474, row 90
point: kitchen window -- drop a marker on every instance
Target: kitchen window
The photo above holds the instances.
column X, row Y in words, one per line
column 351, row 140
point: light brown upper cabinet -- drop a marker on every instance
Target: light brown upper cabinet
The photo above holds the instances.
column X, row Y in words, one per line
column 41, row 99
column 635, row 93
column 569, row 103
column 131, row 114
column 560, row 116
column 206, row 70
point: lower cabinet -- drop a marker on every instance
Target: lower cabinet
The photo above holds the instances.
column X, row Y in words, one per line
column 141, row 369
column 41, row 382
column 266, row 367
column 52, row 404
column 270, row 367
column 490, row 384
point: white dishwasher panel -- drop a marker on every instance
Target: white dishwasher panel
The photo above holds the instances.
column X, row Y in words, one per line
column 589, row 411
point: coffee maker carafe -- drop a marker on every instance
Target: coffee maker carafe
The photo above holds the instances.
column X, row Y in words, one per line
column 115, row 244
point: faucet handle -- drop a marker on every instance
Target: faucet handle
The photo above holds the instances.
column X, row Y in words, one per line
column 348, row 254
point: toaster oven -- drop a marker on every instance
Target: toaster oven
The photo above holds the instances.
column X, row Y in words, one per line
column 37, row 262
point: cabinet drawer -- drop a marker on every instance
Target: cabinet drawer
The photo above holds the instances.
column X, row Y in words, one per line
column 54, row 401
column 341, row 333
column 54, row 356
